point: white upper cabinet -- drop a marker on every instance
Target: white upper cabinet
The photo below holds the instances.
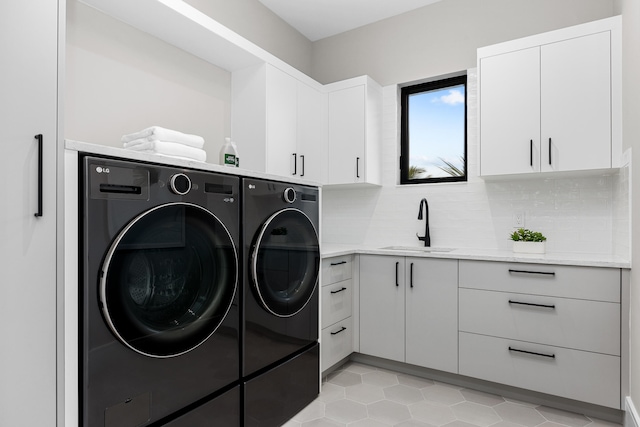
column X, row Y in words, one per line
column 277, row 122
column 354, row 126
column 551, row 102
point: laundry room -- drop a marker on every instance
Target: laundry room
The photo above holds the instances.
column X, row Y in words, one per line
column 174, row 290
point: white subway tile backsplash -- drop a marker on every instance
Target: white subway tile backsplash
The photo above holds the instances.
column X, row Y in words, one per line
column 586, row 214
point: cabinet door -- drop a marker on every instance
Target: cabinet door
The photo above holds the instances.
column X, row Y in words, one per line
column 576, row 103
column 382, row 313
column 510, row 113
column 346, row 135
column 311, row 152
column 281, row 122
column 432, row 313
column 28, row 105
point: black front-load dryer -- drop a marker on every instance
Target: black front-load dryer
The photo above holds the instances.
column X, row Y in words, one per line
column 159, row 292
column 280, row 317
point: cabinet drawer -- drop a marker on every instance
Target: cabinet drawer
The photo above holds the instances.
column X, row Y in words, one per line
column 574, row 374
column 592, row 283
column 336, row 302
column 579, row 324
column 336, row 269
column 337, row 343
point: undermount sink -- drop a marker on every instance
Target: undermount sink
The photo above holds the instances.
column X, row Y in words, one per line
column 417, row 249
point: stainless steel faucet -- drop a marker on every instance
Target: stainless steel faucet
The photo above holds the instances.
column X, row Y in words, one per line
column 426, row 238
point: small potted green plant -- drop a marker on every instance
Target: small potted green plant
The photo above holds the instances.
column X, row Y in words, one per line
column 527, row 241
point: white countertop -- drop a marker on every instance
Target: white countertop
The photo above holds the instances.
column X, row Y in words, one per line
column 590, row 260
column 121, row 153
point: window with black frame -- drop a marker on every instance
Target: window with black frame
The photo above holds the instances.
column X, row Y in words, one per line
column 434, row 131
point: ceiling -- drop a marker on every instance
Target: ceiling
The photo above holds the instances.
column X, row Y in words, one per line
column 317, row 19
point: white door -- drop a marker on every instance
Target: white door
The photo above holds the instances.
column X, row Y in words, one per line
column 311, row 153
column 576, row 103
column 432, row 315
column 510, row 113
column 346, row 135
column 382, row 293
column 28, row 105
column 281, row 122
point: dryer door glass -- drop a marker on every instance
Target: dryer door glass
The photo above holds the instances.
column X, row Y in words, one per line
column 285, row 262
column 169, row 279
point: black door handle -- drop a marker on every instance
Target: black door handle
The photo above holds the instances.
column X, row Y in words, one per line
column 295, row 163
column 357, row 167
column 531, row 152
column 302, row 158
column 549, row 150
column 39, row 212
column 397, row 264
column 411, row 275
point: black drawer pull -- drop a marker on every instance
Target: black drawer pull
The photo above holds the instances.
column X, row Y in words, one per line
column 545, row 273
column 551, row 306
column 338, row 263
column 339, row 290
column 337, row 332
column 550, row 356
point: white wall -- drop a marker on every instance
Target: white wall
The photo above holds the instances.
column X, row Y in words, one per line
column 443, row 37
column 578, row 214
column 120, row 80
column 631, row 136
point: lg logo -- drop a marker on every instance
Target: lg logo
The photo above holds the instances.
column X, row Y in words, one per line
column 100, row 169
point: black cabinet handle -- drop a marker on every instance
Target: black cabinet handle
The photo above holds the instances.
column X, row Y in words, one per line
column 411, row 275
column 551, row 356
column 302, row 158
column 531, row 152
column 545, row 273
column 357, row 167
column 551, row 306
column 338, row 263
column 295, row 164
column 397, row 264
column 549, row 150
column 339, row 290
column 337, row 332
column 39, row 138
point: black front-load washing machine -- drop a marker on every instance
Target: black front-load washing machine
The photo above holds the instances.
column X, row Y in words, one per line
column 280, row 302
column 159, row 318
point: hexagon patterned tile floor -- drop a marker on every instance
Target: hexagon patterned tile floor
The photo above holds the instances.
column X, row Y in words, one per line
column 359, row 395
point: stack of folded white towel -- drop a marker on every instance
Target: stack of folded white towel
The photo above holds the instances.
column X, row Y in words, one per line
column 166, row 142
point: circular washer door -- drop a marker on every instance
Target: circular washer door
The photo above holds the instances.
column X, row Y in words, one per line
column 169, row 279
column 285, row 262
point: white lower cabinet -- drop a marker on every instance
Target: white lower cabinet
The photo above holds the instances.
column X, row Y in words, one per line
column 547, row 328
column 408, row 310
column 337, row 306
column 574, row 374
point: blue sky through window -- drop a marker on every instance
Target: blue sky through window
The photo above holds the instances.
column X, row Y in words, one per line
column 437, row 130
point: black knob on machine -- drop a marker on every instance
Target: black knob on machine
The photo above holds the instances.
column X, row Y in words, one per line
column 289, row 195
column 180, row 184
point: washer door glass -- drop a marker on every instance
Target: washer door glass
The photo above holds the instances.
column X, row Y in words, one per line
column 169, row 279
column 285, row 262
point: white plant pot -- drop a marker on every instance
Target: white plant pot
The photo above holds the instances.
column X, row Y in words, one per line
column 529, row 247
